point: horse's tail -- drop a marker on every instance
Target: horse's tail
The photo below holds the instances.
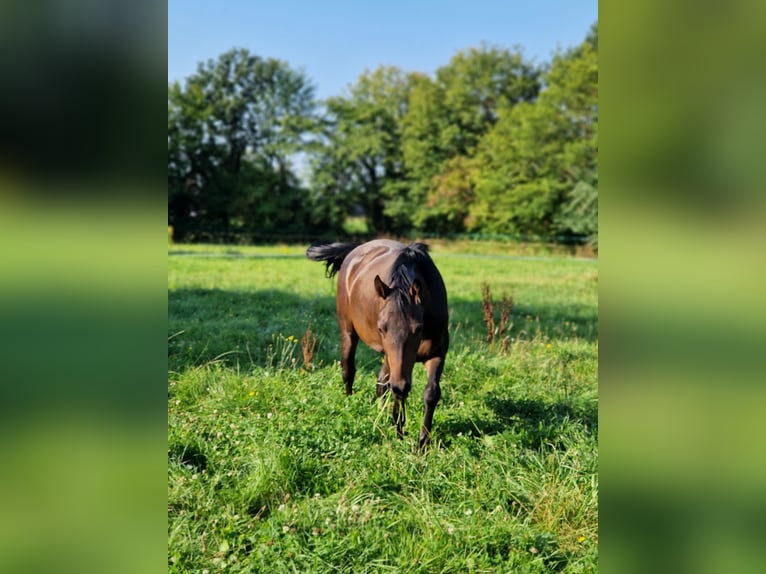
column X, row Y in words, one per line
column 332, row 254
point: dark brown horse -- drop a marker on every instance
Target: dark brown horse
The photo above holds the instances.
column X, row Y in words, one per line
column 392, row 297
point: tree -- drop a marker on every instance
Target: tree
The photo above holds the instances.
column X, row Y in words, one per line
column 580, row 213
column 475, row 86
column 489, row 143
column 361, row 156
column 536, row 155
column 232, row 129
column 446, row 121
column 191, row 156
column 574, row 81
column 399, row 143
column 423, row 151
column 449, row 197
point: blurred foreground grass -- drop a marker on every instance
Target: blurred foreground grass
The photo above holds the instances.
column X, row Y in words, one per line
column 82, row 389
column 681, row 299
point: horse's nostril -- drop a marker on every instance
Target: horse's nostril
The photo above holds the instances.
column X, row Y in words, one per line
column 400, row 392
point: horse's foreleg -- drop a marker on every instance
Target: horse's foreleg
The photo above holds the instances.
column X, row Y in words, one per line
column 348, row 342
column 431, row 396
column 383, row 376
column 400, row 416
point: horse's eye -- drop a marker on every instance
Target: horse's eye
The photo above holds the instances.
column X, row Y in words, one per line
column 382, row 330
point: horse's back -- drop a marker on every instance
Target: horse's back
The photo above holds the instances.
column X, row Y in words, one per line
column 367, row 260
column 378, row 257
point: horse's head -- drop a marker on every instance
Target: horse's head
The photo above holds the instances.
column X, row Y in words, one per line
column 400, row 327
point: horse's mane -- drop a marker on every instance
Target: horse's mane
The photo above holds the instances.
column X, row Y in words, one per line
column 402, row 271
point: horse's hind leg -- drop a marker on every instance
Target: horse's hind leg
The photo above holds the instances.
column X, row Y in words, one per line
column 431, row 396
column 348, row 342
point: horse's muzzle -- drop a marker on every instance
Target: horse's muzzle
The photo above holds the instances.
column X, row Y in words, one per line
column 400, row 390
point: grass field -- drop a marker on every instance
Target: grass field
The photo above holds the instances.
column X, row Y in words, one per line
column 271, row 468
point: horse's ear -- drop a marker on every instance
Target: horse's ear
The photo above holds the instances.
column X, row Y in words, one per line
column 415, row 290
column 381, row 288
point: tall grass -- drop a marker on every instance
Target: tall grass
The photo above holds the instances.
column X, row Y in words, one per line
column 272, row 469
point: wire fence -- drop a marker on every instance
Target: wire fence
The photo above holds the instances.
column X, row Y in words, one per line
column 254, row 237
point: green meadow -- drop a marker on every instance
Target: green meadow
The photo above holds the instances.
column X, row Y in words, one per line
column 271, row 468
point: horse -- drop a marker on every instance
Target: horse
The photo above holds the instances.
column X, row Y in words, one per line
column 392, row 297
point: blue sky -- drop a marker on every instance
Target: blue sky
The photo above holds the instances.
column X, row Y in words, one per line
column 334, row 41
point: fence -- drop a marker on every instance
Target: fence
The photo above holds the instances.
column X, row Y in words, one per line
column 253, row 237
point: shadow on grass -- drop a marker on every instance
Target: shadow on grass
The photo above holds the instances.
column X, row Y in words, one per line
column 528, row 422
column 237, row 327
column 251, row 328
column 190, row 455
column 234, row 254
column 556, row 322
column 246, row 327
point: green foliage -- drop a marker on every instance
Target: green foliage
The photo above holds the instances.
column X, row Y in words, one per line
column 447, row 119
column 516, row 173
column 490, row 144
column 474, row 86
column 448, row 199
column 537, row 154
column 360, row 159
column 272, row 468
column 232, row 130
column 580, row 214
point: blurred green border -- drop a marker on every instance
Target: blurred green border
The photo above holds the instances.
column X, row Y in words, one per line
column 681, row 269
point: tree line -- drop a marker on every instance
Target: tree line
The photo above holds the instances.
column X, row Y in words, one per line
column 490, row 144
